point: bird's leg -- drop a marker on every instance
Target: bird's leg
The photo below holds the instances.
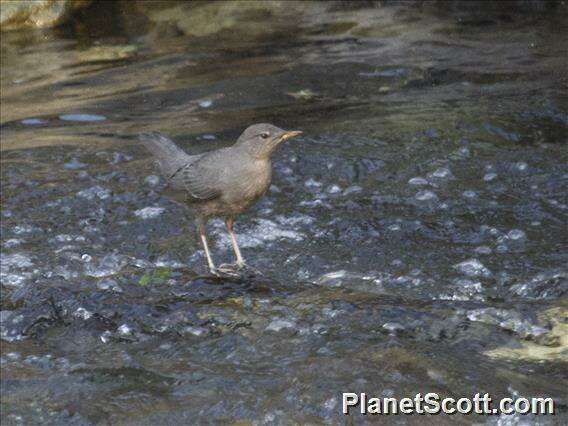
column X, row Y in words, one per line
column 201, row 226
column 240, row 261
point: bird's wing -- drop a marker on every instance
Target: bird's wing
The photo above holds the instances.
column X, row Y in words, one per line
column 201, row 178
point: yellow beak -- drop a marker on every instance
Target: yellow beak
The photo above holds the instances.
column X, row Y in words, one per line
column 290, row 134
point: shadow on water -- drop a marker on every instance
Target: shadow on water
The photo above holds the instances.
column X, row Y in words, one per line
column 413, row 240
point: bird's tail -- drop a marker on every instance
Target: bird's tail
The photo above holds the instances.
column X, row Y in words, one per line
column 170, row 157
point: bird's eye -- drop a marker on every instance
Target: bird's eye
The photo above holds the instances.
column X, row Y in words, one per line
column 264, row 135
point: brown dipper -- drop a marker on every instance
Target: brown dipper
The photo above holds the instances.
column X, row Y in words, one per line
column 220, row 183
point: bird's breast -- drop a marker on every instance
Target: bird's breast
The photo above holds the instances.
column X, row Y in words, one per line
column 248, row 182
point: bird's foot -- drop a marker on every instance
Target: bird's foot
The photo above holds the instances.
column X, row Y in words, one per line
column 227, row 269
column 239, row 269
column 245, row 267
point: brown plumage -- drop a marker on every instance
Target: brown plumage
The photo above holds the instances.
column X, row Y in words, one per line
column 220, row 183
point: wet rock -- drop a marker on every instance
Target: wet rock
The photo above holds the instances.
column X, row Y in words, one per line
column 507, row 319
column 107, row 52
column 464, row 289
column 13, row 269
column 109, row 284
column 18, row 14
column 547, row 285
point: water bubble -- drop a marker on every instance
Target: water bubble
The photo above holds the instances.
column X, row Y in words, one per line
column 15, row 261
column 13, row 356
column 493, row 231
column 280, row 324
column 312, row 183
column 152, row 180
column 262, row 232
column 196, row 331
column 418, row 181
column 442, row 173
column 517, row 235
column 393, row 327
column 149, row 212
column 12, row 242
column 502, row 248
column 426, row 196
column 521, row 166
column 120, row 157
column 82, row 313
column 470, row 194
column 352, row 189
column 483, row 250
column 23, row 229
column 33, row 121
column 473, row 268
column 95, row 191
column 334, row 189
column 106, row 336
column 489, row 177
column 205, row 103
column 124, row 330
column 82, row 117
column 74, row 164
column 109, row 284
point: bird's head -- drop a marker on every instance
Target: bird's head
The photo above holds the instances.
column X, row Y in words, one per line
column 261, row 140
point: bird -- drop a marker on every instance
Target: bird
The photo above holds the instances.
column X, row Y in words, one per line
column 220, row 183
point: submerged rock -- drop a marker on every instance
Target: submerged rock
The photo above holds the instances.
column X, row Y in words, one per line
column 17, row 14
column 110, row 264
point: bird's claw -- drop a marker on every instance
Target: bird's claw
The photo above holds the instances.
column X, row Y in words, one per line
column 237, row 269
column 226, row 270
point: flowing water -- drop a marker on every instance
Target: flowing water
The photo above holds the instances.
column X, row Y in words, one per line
column 413, row 240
